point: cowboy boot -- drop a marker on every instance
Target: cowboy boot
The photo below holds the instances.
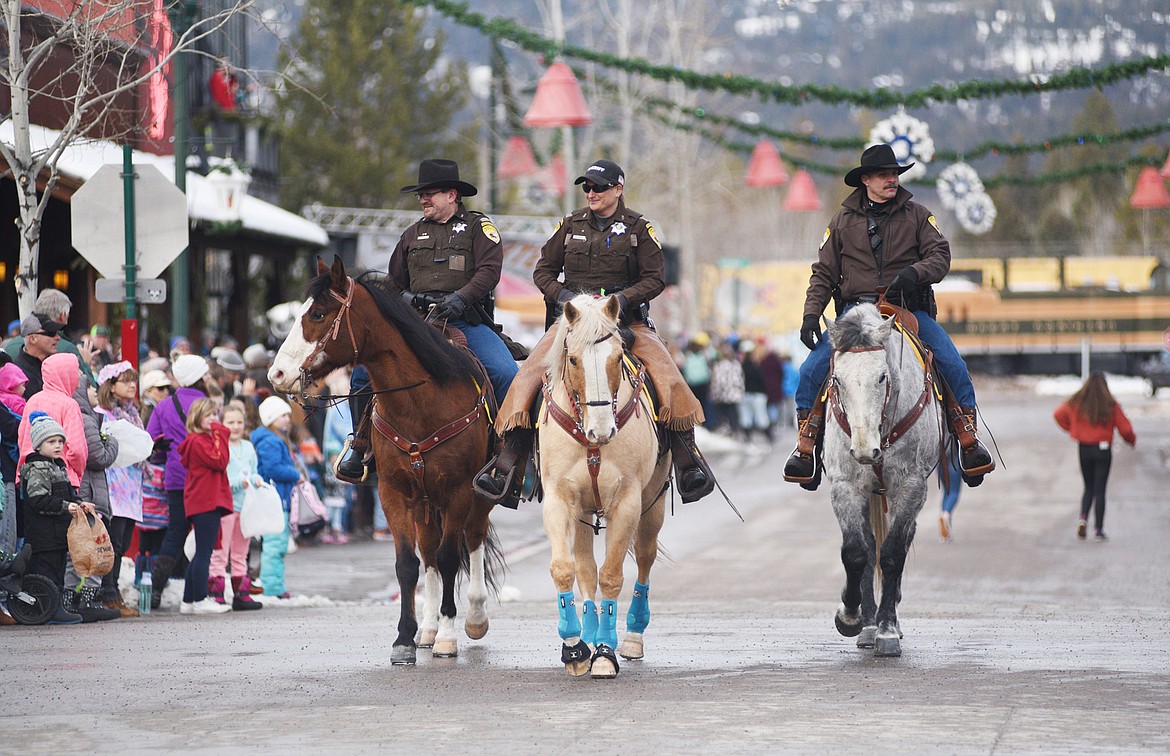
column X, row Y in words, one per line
column 502, row 478
column 975, row 460
column 242, row 601
column 801, row 466
column 351, row 464
column 694, row 476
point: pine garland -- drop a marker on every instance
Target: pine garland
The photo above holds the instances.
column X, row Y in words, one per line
column 1075, row 78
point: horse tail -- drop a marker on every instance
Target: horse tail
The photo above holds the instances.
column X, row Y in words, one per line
column 880, row 524
column 494, row 566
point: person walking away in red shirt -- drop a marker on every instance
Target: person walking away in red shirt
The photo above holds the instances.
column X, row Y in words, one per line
column 1090, row 416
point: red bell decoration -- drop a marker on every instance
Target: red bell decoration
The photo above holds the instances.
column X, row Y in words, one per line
column 1150, row 191
column 517, row 159
column 1165, row 172
column 558, row 100
column 802, row 194
column 765, row 168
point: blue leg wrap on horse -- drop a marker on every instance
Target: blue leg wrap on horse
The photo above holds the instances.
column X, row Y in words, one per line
column 589, row 621
column 639, row 615
column 570, row 624
column 607, row 631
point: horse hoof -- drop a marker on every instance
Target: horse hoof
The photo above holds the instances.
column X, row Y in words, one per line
column 847, row 626
column 445, row 649
column 402, row 655
column 867, row 637
column 426, row 637
column 605, row 663
column 631, row 647
column 475, row 632
column 887, row 645
column 577, row 668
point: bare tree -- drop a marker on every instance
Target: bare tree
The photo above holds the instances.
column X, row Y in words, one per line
column 80, row 60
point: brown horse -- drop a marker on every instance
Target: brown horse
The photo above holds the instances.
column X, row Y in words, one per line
column 432, row 435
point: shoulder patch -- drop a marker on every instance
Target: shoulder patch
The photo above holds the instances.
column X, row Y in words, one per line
column 560, row 223
column 489, row 230
column 825, row 238
column 932, row 221
column 650, row 232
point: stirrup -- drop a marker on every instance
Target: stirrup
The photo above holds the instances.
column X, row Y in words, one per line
column 488, row 471
column 346, row 448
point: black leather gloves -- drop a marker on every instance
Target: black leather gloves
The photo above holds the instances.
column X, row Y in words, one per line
column 451, row 308
column 904, row 281
column 810, row 331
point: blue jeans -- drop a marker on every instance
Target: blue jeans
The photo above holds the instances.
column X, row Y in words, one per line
column 948, row 362
column 487, row 346
column 493, row 353
column 206, row 527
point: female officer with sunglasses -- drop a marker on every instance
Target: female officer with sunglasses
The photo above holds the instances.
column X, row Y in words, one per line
column 604, row 248
column 881, row 240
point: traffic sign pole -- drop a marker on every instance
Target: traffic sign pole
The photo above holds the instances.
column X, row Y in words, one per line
column 130, row 322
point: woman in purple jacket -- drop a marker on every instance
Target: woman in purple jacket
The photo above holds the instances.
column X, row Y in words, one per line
column 169, row 420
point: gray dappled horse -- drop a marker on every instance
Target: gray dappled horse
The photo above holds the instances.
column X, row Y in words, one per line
column 882, row 441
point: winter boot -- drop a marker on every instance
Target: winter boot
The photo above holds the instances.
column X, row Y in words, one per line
column 215, row 589
column 64, row 615
column 123, row 609
column 694, row 476
column 351, row 464
column 242, row 601
column 250, row 588
column 163, row 567
column 86, row 604
column 802, row 466
column 502, row 478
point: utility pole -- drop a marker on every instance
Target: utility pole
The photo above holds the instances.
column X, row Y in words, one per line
column 182, row 15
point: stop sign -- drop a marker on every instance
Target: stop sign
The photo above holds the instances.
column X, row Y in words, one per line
column 98, row 223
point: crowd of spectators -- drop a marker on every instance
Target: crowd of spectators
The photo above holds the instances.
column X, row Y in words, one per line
column 62, row 383
column 745, row 386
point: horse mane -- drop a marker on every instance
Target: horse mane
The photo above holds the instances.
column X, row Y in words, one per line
column 857, row 328
column 445, row 363
column 591, row 325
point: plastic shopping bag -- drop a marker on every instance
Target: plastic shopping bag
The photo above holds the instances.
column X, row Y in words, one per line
column 134, row 444
column 262, row 512
column 89, row 545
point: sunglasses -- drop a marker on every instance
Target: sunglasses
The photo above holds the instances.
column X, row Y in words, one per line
column 595, row 188
column 430, row 193
column 875, row 241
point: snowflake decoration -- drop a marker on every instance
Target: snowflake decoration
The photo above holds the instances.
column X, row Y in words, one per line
column 910, row 140
column 957, row 182
column 976, row 213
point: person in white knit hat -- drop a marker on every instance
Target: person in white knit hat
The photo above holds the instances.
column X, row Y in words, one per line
column 276, row 465
column 168, row 422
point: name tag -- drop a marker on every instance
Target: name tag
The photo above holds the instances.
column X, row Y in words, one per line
column 579, row 237
column 423, row 236
column 458, row 262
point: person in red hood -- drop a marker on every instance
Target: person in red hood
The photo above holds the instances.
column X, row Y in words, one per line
column 61, row 374
column 207, row 496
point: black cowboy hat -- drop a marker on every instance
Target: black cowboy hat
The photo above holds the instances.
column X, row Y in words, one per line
column 440, row 174
column 878, row 157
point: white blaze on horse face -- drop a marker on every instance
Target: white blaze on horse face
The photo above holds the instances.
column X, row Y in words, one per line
column 285, row 373
column 599, row 423
column 862, row 379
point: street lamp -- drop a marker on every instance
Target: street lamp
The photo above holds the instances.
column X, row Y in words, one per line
column 229, row 183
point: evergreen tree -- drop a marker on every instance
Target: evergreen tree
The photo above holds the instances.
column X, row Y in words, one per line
column 369, row 94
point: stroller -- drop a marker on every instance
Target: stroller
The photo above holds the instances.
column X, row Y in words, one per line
column 30, row 599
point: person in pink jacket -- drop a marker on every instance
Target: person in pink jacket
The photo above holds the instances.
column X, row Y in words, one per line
column 61, row 374
column 1090, row 416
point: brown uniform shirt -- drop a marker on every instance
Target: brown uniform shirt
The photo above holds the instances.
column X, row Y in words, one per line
column 910, row 237
column 626, row 256
column 464, row 255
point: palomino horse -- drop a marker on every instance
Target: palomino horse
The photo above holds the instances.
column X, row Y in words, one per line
column 599, row 460
column 881, row 444
column 432, row 436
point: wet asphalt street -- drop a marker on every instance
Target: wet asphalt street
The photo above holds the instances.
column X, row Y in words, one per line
column 1018, row 636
